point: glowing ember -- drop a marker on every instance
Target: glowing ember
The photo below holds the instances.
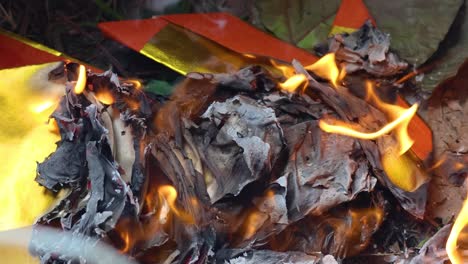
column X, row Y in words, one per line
column 136, row 83
column 253, row 222
column 459, row 166
column 439, row 162
column 81, row 82
column 294, row 82
column 362, row 221
column 451, row 246
column 105, row 97
column 326, row 68
column 126, row 239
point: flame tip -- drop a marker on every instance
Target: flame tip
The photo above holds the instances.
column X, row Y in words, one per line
column 294, row 82
column 326, row 68
column 81, row 81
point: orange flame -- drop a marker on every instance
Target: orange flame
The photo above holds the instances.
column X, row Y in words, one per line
column 169, row 193
column 460, row 223
column 81, row 82
column 326, row 68
column 294, row 82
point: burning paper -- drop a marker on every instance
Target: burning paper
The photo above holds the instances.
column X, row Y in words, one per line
column 232, row 167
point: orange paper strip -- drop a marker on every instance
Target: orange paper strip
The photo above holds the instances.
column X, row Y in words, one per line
column 17, row 53
column 351, row 15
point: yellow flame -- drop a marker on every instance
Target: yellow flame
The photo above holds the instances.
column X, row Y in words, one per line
column 401, row 117
column 169, row 193
column 294, row 82
column 451, row 245
column 24, row 139
column 326, row 68
column 81, row 82
column 402, row 170
column 105, row 97
column 394, row 112
column 405, row 117
column 286, row 70
column 456, row 235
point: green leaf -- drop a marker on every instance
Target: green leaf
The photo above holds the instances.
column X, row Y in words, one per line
column 415, row 26
column 159, row 87
column 304, row 23
column 452, row 53
column 317, row 35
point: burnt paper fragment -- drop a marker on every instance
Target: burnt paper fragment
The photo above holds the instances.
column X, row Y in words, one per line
column 107, row 196
column 323, row 171
column 84, row 166
column 365, row 49
column 63, row 167
column 250, row 78
column 243, row 147
column 179, row 170
column 243, row 256
column 433, row 251
column 231, row 169
column 351, row 108
column 342, row 232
